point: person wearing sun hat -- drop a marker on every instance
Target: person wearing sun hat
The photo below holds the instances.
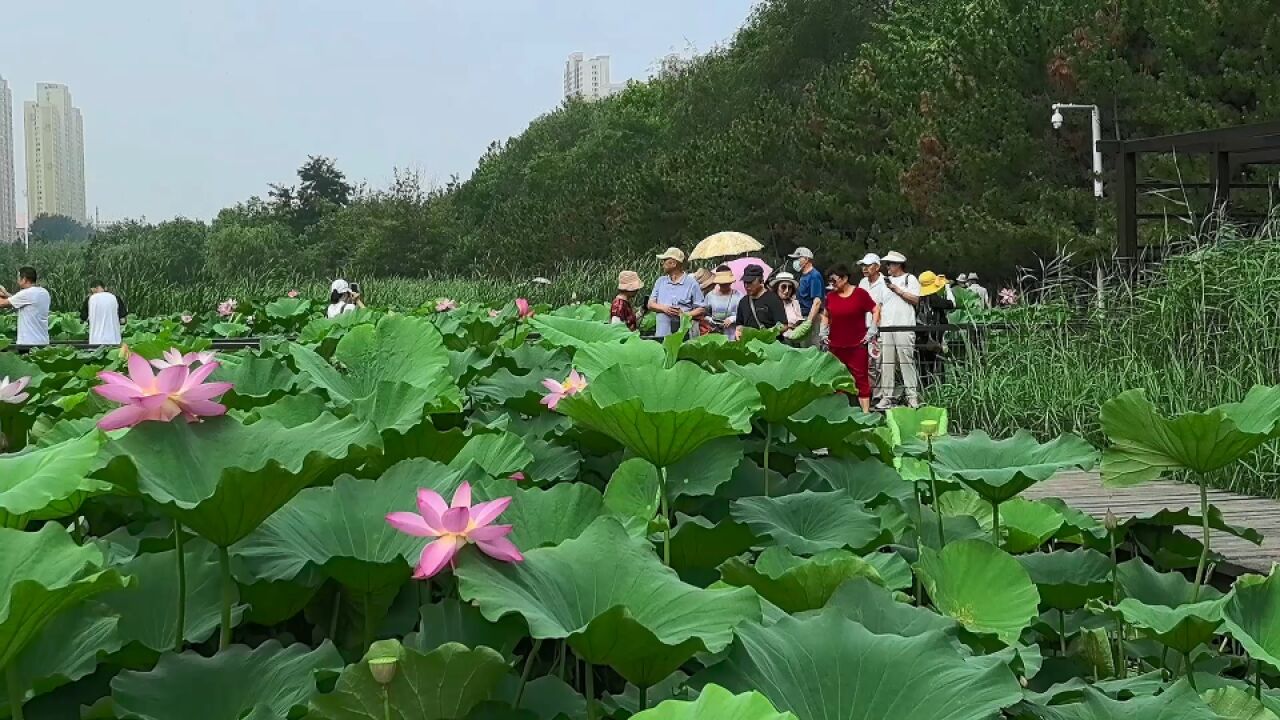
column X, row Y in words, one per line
column 675, row 294
column 623, row 312
column 898, row 348
column 976, row 288
column 722, row 302
column 936, row 300
column 761, row 308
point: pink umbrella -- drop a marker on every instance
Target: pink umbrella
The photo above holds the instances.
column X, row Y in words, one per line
column 737, row 266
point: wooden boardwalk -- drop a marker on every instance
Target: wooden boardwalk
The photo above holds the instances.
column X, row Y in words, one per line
column 1085, row 492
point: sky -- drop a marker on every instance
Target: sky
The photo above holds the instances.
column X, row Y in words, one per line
column 193, row 106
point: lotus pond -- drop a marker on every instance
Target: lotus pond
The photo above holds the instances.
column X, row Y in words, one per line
column 528, row 514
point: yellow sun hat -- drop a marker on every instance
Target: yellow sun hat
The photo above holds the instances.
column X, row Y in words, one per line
column 931, row 283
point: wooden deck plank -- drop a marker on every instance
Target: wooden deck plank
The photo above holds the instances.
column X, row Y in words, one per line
column 1085, row 492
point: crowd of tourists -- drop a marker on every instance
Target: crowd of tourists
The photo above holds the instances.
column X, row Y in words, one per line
column 880, row 321
column 102, row 310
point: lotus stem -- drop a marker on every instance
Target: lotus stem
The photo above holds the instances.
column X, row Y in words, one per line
column 768, row 440
column 644, row 698
column 591, row 692
column 178, row 544
column 386, row 702
column 560, row 661
column 333, row 619
column 17, row 695
column 1122, row 663
column 367, row 630
column 228, row 598
column 933, row 491
column 1204, row 550
column 528, row 665
column 1062, row 631
column 1191, row 672
column 995, row 523
column 1257, row 680
column 666, row 513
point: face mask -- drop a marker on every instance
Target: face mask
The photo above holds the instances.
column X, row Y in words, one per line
column 798, row 265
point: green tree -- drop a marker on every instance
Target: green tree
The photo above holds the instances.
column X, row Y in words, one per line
column 58, row 228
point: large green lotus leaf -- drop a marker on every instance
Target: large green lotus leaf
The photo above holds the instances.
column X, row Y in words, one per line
column 797, row 584
column 68, row 649
column 1177, row 703
column 394, row 408
column 714, row 350
column 1146, row 445
column 498, row 453
column 266, row 682
column 551, row 462
column 699, row 546
column 1233, row 703
column 895, row 571
column 1000, row 469
column 1187, row 518
column 633, row 491
column 444, row 684
column 703, row 472
column 400, row 348
column 148, row 609
column 221, row 478
column 573, row 333
column 43, row 574
column 50, row 482
column 1140, row 581
column 1028, row 524
column 342, row 530
column 807, row 523
column 542, row 517
column 1182, row 628
column 716, row 703
column 594, row 358
column 450, row 621
column 1251, row 615
column 787, row 385
column 257, row 380
column 663, row 415
column 610, row 597
column 874, row 607
column 828, row 667
column 521, row 393
column 961, row 578
column 867, row 481
column 828, row 422
column 1067, row 579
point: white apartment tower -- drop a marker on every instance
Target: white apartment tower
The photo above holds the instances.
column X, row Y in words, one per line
column 588, row 78
column 8, row 181
column 55, row 155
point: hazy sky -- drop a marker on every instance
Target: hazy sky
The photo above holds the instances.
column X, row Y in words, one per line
column 190, row 105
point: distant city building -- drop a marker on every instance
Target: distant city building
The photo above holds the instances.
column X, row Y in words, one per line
column 8, row 181
column 588, row 78
column 55, row 155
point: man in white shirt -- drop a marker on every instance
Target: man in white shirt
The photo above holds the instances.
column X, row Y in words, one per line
column 32, row 305
column 983, row 294
column 898, row 349
column 105, row 314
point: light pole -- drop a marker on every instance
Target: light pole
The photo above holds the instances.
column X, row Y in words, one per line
column 1097, row 137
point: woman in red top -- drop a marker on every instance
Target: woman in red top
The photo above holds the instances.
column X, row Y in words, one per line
column 622, row 311
column 844, row 324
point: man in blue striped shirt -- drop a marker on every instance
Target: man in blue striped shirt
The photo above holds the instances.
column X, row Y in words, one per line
column 810, row 287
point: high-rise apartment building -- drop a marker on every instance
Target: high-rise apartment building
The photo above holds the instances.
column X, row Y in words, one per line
column 8, row 181
column 588, row 78
column 55, row 155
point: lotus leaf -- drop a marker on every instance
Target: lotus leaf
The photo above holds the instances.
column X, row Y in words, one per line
column 867, row 481
column 1145, row 444
column 797, row 584
column 266, row 682
column 1184, row 518
column 828, row 422
column 960, row 579
column 699, row 546
column 498, row 454
column 788, row 384
column 43, row 574
column 1067, row 579
column 663, row 415
column 828, row 667
column 1251, row 616
column 444, row 684
column 221, row 478
column 542, row 517
column 450, row 621
column 1232, row 703
column 807, row 523
column 612, row 600
column 714, row 350
column 594, row 358
column 633, row 491
column 257, row 380
column 1182, row 628
column 999, row 470
column 1028, row 524
column 874, row 607
column 714, row 703
column 572, row 332
column 705, row 471
column 1178, row 703
column 49, row 482
column 1144, row 583
column 67, row 649
column 551, row 462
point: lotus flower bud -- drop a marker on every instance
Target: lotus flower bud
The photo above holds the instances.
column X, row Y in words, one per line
column 383, row 659
column 929, row 428
column 1110, row 521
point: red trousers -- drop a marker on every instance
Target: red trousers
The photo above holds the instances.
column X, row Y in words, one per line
column 858, row 361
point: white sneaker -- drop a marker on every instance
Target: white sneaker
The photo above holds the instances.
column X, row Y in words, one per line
column 885, row 404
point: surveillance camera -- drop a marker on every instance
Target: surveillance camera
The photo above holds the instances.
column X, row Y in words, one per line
column 1056, row 120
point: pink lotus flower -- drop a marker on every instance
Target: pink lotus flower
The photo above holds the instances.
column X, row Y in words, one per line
column 1008, row 296
column 147, row 396
column 559, row 391
column 517, row 476
column 454, row 527
column 445, row 305
column 174, row 358
column 292, row 293
column 186, row 319
column 11, row 392
column 523, row 308
column 227, row 307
